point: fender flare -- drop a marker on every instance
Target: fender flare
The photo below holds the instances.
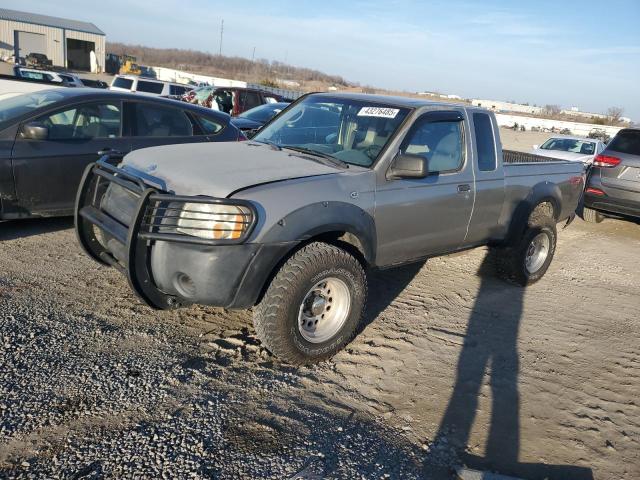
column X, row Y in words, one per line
column 326, row 217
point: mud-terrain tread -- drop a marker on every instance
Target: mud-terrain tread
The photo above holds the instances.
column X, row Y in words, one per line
column 509, row 259
column 268, row 314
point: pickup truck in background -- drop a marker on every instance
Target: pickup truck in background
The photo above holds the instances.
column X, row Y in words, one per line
column 336, row 184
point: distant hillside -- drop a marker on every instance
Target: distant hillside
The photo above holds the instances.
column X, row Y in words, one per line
column 239, row 68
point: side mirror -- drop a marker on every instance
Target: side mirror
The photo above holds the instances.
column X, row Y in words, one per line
column 535, row 147
column 35, row 131
column 407, row 165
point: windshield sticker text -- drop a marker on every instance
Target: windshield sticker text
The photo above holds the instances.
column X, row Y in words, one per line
column 378, row 112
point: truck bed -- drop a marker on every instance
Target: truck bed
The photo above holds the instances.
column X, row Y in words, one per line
column 524, row 172
column 513, row 156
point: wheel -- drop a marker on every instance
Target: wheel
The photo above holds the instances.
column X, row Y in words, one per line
column 526, row 262
column 592, row 216
column 313, row 306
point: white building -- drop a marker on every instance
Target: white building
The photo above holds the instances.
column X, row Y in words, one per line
column 67, row 43
column 576, row 112
column 498, row 106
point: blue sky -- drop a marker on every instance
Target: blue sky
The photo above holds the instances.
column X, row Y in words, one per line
column 567, row 52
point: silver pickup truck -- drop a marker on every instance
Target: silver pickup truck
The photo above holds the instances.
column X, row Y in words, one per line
column 336, row 184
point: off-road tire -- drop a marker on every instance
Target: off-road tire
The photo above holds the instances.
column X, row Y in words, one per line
column 512, row 260
column 275, row 318
column 592, row 216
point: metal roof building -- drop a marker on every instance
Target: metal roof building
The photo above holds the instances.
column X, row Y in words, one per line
column 67, row 43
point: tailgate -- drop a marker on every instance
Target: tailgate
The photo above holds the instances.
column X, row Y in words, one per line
column 625, row 176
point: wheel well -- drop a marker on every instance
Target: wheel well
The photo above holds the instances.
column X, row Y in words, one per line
column 546, row 207
column 345, row 240
column 525, row 215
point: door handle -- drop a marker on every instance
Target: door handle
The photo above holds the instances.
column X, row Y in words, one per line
column 465, row 187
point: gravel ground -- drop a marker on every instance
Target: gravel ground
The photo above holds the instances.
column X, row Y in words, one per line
column 452, row 366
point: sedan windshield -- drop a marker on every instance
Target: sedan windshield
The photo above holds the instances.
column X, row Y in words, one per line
column 570, row 145
column 350, row 131
column 15, row 106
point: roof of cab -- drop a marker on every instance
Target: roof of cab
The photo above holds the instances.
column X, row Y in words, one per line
column 402, row 102
column 98, row 93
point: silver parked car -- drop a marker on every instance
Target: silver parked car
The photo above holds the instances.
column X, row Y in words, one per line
column 576, row 149
column 614, row 181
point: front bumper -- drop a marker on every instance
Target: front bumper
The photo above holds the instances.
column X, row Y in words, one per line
column 167, row 269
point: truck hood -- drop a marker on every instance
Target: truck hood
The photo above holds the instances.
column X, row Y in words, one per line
column 219, row 169
column 572, row 156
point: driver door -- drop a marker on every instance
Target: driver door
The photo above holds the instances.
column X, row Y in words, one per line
column 419, row 217
column 47, row 171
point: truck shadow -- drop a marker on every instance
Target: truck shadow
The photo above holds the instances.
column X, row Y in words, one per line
column 384, row 287
column 15, row 229
column 490, row 348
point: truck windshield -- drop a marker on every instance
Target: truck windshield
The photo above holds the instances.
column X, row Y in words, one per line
column 352, row 131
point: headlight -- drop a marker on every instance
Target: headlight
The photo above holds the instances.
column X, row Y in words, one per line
column 214, row 221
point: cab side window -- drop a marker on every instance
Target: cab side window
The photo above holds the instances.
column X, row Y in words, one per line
column 441, row 143
column 94, row 120
column 149, row 87
column 154, row 121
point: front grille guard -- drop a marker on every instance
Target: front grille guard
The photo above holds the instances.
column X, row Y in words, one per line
column 155, row 219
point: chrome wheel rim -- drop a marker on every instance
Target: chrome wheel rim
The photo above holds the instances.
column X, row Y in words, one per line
column 537, row 252
column 324, row 310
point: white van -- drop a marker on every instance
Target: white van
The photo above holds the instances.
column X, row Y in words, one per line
column 148, row 86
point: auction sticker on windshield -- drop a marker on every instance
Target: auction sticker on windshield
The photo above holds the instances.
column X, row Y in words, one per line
column 378, row 112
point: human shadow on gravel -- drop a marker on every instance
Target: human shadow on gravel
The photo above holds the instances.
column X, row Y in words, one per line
column 491, row 347
column 14, row 229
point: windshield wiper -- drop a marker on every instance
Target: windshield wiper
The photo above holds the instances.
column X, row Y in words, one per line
column 331, row 159
column 272, row 144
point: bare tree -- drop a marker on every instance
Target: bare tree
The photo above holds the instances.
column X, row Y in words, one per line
column 614, row 114
column 552, row 110
column 221, row 65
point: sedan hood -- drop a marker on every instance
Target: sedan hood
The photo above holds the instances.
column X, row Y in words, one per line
column 219, row 169
column 572, row 156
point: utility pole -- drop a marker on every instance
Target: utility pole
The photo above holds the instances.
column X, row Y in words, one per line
column 253, row 55
column 221, row 34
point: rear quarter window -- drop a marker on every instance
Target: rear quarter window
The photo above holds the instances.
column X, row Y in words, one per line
column 485, row 142
column 208, row 126
column 626, row 142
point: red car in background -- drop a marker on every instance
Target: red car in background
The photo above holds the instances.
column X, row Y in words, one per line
column 231, row 100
